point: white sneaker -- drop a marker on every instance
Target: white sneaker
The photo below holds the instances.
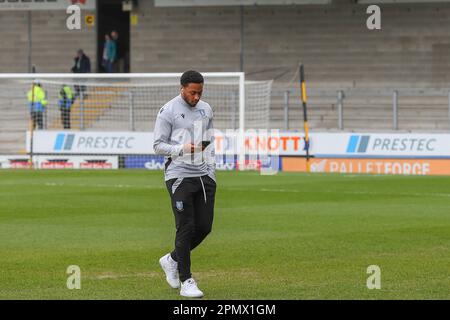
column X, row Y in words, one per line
column 189, row 289
column 170, row 268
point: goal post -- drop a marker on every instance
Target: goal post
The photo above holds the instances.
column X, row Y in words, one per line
column 127, row 103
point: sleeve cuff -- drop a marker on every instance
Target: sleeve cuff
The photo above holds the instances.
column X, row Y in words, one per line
column 178, row 151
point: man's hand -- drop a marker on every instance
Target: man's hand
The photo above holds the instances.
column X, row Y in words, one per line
column 191, row 148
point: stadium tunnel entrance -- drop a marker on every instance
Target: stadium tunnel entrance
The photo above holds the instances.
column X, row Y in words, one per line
column 111, row 16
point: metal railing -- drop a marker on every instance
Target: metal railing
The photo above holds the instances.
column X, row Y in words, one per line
column 290, row 101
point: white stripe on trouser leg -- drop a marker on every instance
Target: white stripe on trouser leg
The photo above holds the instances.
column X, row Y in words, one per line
column 204, row 192
column 176, row 184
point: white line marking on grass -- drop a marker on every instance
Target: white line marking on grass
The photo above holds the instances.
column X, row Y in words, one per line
column 279, row 190
column 110, row 275
column 50, row 184
column 243, row 273
column 445, row 195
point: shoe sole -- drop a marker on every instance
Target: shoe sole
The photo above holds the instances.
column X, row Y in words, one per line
column 187, row 296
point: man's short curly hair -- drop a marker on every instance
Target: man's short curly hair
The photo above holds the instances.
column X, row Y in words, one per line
column 191, row 76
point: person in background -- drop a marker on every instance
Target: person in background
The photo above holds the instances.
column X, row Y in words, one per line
column 118, row 58
column 37, row 103
column 109, row 54
column 82, row 65
column 65, row 103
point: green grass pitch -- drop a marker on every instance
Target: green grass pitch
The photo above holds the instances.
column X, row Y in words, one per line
column 287, row 236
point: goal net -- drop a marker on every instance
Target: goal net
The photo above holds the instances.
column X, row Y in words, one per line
column 100, row 108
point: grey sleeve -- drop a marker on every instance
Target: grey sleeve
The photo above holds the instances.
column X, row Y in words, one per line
column 161, row 137
column 212, row 149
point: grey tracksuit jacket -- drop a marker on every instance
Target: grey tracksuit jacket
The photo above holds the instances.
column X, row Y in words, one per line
column 178, row 123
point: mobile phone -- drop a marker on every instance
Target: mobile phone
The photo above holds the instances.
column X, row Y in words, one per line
column 205, row 144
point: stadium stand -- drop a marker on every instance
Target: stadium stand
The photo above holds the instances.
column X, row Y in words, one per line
column 410, row 54
column 53, row 46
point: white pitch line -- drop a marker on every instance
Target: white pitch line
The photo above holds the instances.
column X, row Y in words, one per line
column 50, row 184
column 446, row 195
